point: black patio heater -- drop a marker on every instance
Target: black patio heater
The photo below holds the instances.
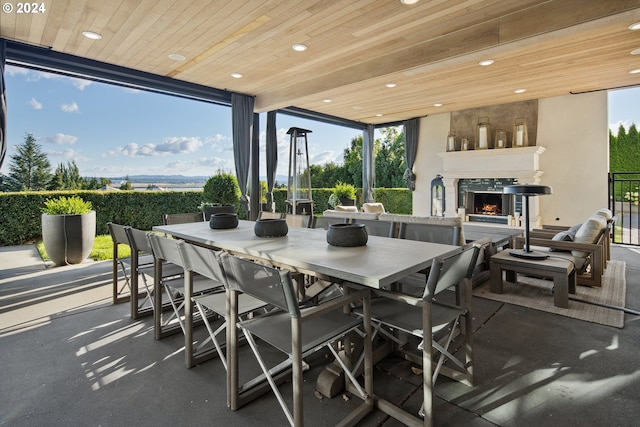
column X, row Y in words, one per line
column 526, row 191
column 299, row 199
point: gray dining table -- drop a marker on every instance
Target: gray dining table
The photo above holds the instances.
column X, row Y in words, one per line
column 378, row 264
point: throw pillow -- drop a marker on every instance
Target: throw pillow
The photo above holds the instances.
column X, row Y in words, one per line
column 563, row 236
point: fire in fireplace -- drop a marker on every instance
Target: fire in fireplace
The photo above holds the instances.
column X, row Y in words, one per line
column 489, row 203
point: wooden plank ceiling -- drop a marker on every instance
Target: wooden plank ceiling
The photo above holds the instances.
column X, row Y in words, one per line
column 429, row 50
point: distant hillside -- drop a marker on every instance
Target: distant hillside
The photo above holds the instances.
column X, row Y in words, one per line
column 162, row 179
column 195, row 181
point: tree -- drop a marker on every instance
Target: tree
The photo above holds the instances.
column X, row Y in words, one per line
column 126, row 185
column 390, row 159
column 30, row 169
column 67, row 177
column 353, row 162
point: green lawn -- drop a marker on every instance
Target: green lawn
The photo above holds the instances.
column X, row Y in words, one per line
column 102, row 249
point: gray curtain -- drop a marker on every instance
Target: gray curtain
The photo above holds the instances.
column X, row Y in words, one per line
column 3, row 104
column 368, row 165
column 272, row 156
column 242, row 121
column 411, row 149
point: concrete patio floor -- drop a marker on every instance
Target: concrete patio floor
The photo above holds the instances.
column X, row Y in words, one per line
column 70, row 357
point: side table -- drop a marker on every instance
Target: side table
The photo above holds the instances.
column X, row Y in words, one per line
column 560, row 270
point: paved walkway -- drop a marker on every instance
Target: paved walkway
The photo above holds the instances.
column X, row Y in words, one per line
column 70, row 357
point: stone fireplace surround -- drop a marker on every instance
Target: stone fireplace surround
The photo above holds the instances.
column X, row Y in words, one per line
column 520, row 164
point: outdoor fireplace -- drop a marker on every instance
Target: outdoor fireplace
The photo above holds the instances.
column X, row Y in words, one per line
column 482, row 204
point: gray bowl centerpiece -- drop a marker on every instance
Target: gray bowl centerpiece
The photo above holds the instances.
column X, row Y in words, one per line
column 347, row 235
column 221, row 221
column 271, row 227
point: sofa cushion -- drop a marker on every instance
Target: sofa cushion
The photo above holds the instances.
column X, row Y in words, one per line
column 454, row 221
column 589, row 232
column 351, row 215
column 346, row 208
column 373, row 207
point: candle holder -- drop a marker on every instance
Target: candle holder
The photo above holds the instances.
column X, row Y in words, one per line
column 501, row 139
column 483, row 132
column 520, row 136
column 465, row 144
column 451, row 141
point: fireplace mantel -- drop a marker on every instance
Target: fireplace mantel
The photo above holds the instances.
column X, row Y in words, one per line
column 521, row 163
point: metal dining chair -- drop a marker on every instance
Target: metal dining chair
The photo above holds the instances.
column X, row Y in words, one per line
column 123, row 264
column 401, row 312
column 182, row 218
column 179, row 291
column 378, row 228
column 270, row 215
column 141, row 252
column 209, row 263
column 299, row 332
column 297, row 220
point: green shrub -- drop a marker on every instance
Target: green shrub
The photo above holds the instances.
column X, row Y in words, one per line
column 344, row 191
column 222, row 188
column 62, row 205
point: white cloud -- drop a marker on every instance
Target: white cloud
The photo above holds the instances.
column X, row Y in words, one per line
column 70, row 108
column 217, row 138
column 80, row 83
column 35, row 104
column 182, row 144
column 134, row 150
column 69, row 154
column 61, row 139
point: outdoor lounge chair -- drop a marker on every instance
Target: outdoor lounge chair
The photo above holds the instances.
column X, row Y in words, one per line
column 586, row 245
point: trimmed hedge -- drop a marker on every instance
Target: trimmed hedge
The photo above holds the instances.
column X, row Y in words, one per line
column 20, row 212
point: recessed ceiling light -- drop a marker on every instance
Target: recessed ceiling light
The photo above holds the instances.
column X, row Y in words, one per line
column 327, row 100
column 635, row 52
column 237, row 75
column 634, row 26
column 299, row 47
column 379, row 115
column 177, row 57
column 391, row 85
column 634, row 71
column 520, row 90
column 437, row 104
column 91, row 35
column 486, row 62
column 409, row 1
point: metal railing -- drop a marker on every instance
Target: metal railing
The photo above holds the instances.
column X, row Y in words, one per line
column 624, row 203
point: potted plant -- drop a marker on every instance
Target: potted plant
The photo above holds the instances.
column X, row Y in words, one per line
column 68, row 229
column 221, row 194
column 345, row 193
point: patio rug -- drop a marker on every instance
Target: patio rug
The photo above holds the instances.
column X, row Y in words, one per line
column 537, row 294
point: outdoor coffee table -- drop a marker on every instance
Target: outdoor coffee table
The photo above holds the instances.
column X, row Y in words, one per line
column 560, row 270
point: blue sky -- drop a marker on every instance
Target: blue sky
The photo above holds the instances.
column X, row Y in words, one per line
column 111, row 131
